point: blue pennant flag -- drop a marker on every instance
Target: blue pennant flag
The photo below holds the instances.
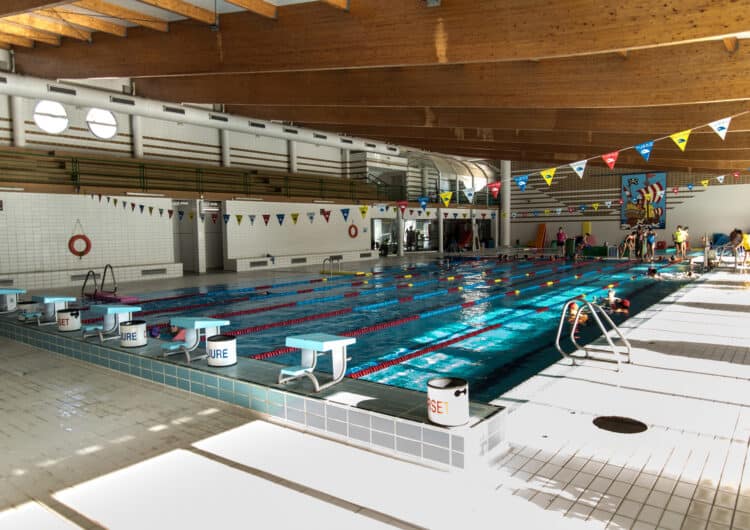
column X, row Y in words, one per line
column 493, row 214
column 345, row 213
column 226, row 218
column 583, row 207
column 252, row 219
column 423, row 202
column 690, row 186
column 455, row 215
column 280, row 218
column 180, row 214
column 522, row 181
column 645, row 149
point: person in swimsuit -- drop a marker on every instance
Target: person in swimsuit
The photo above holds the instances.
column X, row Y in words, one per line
column 650, row 244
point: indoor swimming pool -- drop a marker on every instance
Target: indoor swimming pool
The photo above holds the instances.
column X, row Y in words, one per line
column 490, row 322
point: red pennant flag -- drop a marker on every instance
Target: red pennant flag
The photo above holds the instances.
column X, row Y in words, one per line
column 132, row 206
column 611, row 158
column 326, row 214
column 484, row 215
column 445, row 215
column 100, row 197
column 676, row 189
column 266, row 218
column 736, row 175
column 570, row 209
column 214, row 217
column 411, row 212
column 402, row 206
column 494, row 188
column 170, row 212
column 619, row 201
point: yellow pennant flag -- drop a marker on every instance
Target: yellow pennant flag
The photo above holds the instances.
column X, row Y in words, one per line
column 547, row 211
column 704, row 183
column 191, row 215
column 427, row 213
column 295, row 216
column 239, row 218
column 465, row 215
column 504, row 215
column 595, row 206
column 548, row 174
column 446, row 197
column 363, row 211
column 681, row 138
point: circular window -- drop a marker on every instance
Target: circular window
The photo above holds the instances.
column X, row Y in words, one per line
column 102, row 123
column 50, row 116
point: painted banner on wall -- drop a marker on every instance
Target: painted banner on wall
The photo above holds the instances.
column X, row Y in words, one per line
column 644, row 200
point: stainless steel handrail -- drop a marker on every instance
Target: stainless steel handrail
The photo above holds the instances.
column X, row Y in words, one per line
column 89, row 274
column 104, row 277
column 594, row 310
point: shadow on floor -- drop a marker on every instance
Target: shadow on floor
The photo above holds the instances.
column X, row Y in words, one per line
column 716, row 307
column 699, row 350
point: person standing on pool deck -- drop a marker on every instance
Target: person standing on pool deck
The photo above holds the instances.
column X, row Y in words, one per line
column 685, row 242
column 650, row 244
column 678, row 237
column 561, row 238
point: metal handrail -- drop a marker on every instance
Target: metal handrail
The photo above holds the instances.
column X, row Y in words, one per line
column 593, row 309
column 104, row 276
column 91, row 274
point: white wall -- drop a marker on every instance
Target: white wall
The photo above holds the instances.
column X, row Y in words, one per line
column 254, row 240
column 35, row 229
column 718, row 208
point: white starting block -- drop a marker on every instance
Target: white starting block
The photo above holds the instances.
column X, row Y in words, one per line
column 313, row 345
column 195, row 328
column 8, row 299
column 114, row 315
column 48, row 314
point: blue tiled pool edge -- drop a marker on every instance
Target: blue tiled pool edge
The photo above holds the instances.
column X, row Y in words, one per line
column 457, row 448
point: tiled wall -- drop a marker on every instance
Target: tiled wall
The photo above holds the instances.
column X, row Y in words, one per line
column 35, row 229
column 457, row 448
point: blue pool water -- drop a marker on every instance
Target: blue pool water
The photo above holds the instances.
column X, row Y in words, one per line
column 489, row 322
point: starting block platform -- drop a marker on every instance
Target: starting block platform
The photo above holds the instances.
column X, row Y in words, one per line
column 313, row 345
column 195, row 329
column 8, row 299
column 48, row 314
column 114, row 315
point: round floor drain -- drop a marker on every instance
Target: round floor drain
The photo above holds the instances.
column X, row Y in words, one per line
column 619, row 424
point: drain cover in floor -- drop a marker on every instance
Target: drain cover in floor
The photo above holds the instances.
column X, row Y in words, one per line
column 619, row 424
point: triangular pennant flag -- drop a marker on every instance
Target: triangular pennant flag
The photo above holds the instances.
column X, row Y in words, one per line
column 608, row 204
column 280, row 218
column 423, row 202
column 536, row 213
column 266, row 218
column 619, row 201
column 469, row 192
column 202, row 216
column 191, row 215
column 582, row 207
column 326, row 214
column 363, row 211
column 483, row 215
column 680, row 138
column 140, row 207
column 427, row 213
column 150, row 210
column 548, row 175
column 132, row 206
column 513, row 215
column 690, row 186
column 114, row 201
column 704, row 183
column 736, row 176
column 402, row 206
column 446, row 197
column 411, row 211
column 721, row 126
column 109, row 199
column 239, row 218
column 251, row 218
column 720, row 178
column 226, row 218
column 558, row 211
column 180, row 214
column 676, row 189
column 611, row 158
column 455, row 215
column 465, row 215
column 521, row 181
column 579, row 167
column 294, row 217
column 493, row 215
column 100, row 197
column 311, row 216
column 494, row 188
column 445, row 215
column 214, row 217
column 547, row 211
column 571, row 209
column 170, row 213
column 345, row 213
column 161, row 212
column 645, row 149
column 595, row 206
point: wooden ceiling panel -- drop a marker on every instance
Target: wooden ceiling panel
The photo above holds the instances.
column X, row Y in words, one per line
column 115, row 11
column 654, row 77
column 259, row 7
column 14, row 7
column 29, row 33
column 185, row 9
column 87, row 21
column 50, row 25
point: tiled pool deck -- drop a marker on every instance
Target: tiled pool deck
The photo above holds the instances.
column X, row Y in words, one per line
column 688, row 383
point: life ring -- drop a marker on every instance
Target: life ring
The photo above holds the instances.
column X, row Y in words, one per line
column 86, row 243
column 353, row 231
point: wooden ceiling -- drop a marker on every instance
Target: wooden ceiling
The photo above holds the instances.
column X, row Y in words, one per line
column 522, row 79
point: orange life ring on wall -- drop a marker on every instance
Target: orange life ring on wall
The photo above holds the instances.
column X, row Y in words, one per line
column 353, row 231
column 86, row 243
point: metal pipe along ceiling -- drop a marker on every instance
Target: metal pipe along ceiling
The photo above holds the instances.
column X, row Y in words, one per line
column 37, row 88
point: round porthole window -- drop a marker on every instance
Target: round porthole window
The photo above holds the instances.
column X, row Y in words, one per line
column 102, row 123
column 50, row 116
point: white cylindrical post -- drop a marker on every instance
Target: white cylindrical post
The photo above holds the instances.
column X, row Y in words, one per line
column 441, row 228
column 401, row 233
column 136, row 131
column 226, row 153
column 17, row 121
column 505, row 202
column 291, row 150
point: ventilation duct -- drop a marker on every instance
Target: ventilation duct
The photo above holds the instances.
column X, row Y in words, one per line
column 37, row 88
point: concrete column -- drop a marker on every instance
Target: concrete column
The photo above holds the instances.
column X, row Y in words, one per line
column 425, row 181
column 496, row 230
column 505, row 202
column 441, row 231
column 136, row 130
column 401, row 231
column 226, row 156
column 345, row 166
column 291, row 149
column 473, row 230
column 17, row 121
column 200, row 239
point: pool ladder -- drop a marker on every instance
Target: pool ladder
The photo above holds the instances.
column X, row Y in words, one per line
column 330, row 260
column 594, row 310
column 99, row 288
